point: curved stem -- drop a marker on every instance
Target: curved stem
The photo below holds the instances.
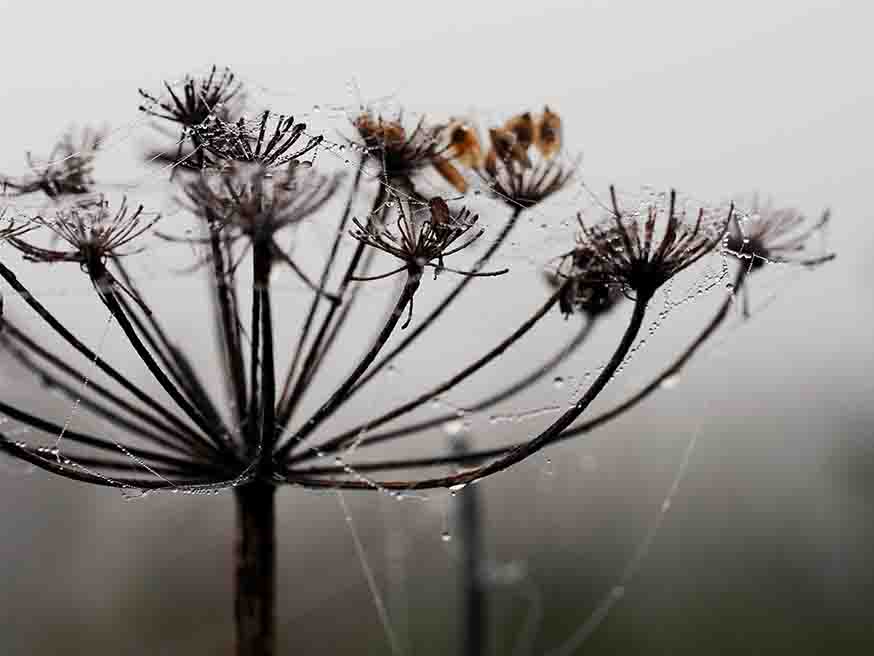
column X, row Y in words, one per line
column 82, row 474
column 183, row 439
column 76, row 395
column 514, row 388
column 84, row 439
column 96, row 360
column 521, row 451
column 414, row 278
column 105, row 284
column 342, row 441
column 477, row 456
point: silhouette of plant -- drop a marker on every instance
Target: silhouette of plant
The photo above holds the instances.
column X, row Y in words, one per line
column 249, row 185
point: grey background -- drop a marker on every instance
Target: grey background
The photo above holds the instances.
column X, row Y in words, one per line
column 766, row 548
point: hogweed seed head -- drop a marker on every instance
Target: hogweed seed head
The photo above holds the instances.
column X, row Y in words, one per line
column 766, row 233
column 93, row 231
column 420, row 242
column 196, row 99
column 626, row 250
column 398, row 152
column 522, row 165
column 69, row 169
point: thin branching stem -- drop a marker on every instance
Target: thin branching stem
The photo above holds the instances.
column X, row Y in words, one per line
column 84, row 439
column 105, row 285
column 323, row 281
column 515, row 454
column 96, row 360
column 305, row 376
column 511, row 390
column 585, row 427
column 414, row 278
column 353, row 435
column 183, row 439
column 268, row 432
column 77, row 395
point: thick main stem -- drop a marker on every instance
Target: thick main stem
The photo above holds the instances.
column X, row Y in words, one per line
column 255, row 552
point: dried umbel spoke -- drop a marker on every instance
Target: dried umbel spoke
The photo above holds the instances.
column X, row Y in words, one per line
column 522, row 165
column 68, row 169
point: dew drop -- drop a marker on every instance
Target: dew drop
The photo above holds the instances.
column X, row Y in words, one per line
column 558, row 382
column 446, row 536
column 454, row 427
column 317, row 109
column 457, row 488
column 670, row 382
column 133, row 493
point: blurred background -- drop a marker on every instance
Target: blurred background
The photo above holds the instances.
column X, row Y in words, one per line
column 767, row 544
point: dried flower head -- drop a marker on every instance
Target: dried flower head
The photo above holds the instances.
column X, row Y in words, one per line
column 93, row 231
column 68, row 170
column 419, row 242
column 584, row 288
column 253, row 202
column 199, row 99
column 770, row 234
column 250, row 200
column 626, row 251
column 400, row 154
column 253, row 142
column 522, row 165
column 218, row 96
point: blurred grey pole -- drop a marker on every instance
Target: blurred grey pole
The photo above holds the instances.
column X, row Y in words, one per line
column 474, row 606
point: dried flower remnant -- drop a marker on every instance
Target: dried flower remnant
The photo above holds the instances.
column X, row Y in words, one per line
column 253, row 142
column 199, row 99
column 583, row 288
column 253, row 202
column 218, row 95
column 398, row 152
column 69, row 168
column 627, row 251
column 420, row 242
column 522, row 165
column 776, row 234
column 93, row 231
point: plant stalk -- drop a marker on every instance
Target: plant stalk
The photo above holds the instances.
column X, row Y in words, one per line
column 255, row 552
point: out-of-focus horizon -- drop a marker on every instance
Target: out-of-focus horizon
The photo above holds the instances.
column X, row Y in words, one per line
column 767, row 544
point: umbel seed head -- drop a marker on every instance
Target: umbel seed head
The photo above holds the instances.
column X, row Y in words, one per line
column 644, row 241
column 766, row 233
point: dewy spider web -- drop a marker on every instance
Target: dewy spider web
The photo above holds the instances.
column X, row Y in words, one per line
column 338, row 151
